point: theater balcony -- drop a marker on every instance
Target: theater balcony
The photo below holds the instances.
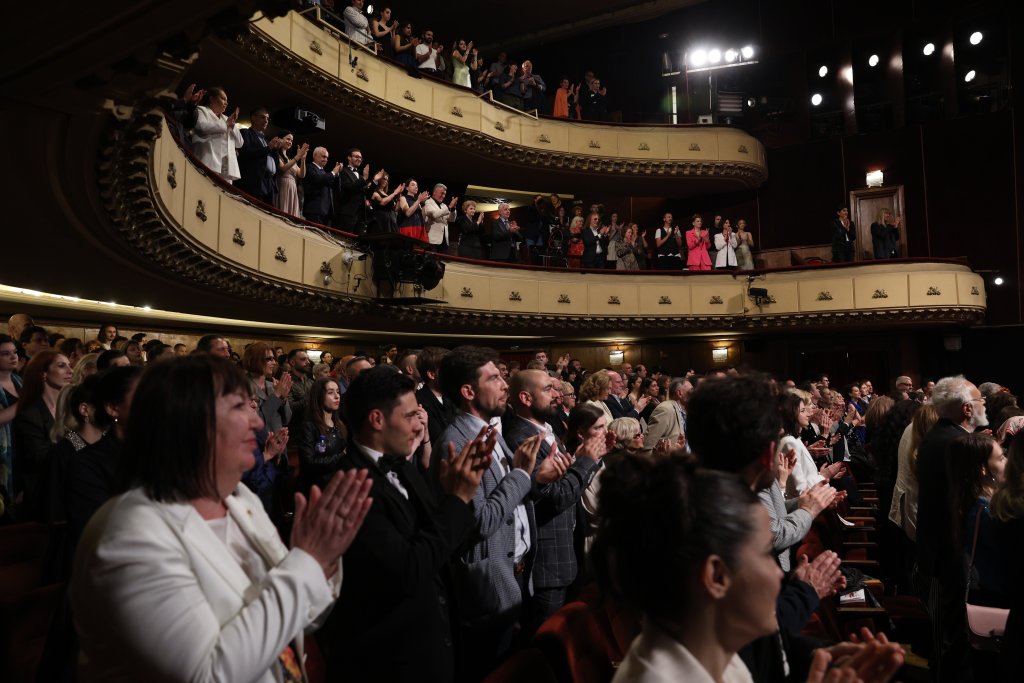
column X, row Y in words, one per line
column 184, row 220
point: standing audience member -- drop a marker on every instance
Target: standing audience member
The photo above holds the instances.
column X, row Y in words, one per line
column 215, row 137
column 410, row 211
column 668, row 245
column 563, row 94
column 503, row 236
column 440, row 409
column 697, row 243
column 302, row 382
column 437, row 215
column 470, row 229
column 593, row 101
column 357, row 24
column 289, row 172
column 384, row 218
column 271, row 394
column 351, row 189
column 1008, row 534
column 10, row 390
column 393, row 621
column 885, row 236
column 844, row 233
column 405, row 44
column 744, row 246
column 319, row 183
column 629, row 251
column 321, row 436
column 493, row 576
column 384, row 30
column 668, row 420
column 427, row 54
column 184, row 576
column 257, row 158
column 725, row 245
column 532, row 88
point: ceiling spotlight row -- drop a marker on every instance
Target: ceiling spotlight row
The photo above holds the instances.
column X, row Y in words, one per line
column 928, row 50
column 701, row 57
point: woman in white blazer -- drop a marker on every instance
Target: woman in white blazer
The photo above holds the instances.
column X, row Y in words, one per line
column 184, row 578
column 215, row 137
column 725, row 244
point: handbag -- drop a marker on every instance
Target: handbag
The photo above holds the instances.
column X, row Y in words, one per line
column 985, row 625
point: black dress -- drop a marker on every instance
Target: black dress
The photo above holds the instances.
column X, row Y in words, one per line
column 320, row 455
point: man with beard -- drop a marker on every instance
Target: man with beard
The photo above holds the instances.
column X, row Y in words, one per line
column 535, row 398
column 961, row 410
column 492, row 578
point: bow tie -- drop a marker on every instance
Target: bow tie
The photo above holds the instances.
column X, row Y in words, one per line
column 391, row 463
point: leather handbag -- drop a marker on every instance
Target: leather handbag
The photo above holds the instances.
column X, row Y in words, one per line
column 985, row 625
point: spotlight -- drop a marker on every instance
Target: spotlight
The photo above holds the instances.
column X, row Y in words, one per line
column 815, row 99
column 873, row 60
column 976, row 37
column 823, row 71
column 731, row 55
column 969, row 76
column 751, row 103
column 998, row 281
column 929, row 49
column 715, row 56
column 747, row 52
column 698, row 58
column 369, row 10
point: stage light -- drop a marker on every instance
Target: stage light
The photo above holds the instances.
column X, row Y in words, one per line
column 751, row 103
column 969, row 76
column 815, row 99
column 823, row 71
column 976, row 37
column 715, row 56
column 747, row 51
column 873, row 60
column 731, row 55
column 929, row 49
column 698, row 58
column 998, row 281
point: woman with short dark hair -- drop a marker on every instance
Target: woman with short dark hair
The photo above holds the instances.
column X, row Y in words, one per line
column 184, row 576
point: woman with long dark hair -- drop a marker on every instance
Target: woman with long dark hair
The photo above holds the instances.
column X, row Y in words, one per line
column 322, row 437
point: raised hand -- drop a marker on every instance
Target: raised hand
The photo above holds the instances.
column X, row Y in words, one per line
column 400, row 189
column 526, row 455
column 423, row 196
column 325, row 525
column 283, row 385
column 277, row 443
column 234, row 117
column 453, row 202
column 823, row 574
column 552, row 469
column 461, row 473
column 817, row 498
column 303, row 151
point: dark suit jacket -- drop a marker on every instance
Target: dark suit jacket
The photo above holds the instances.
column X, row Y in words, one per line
column 257, row 180
column 937, row 555
column 392, row 621
column 31, row 432
column 555, row 507
column 471, row 235
column 319, row 200
column 839, row 237
column 591, row 259
column 439, row 414
column 884, row 240
column 500, row 239
column 621, row 407
column 350, row 204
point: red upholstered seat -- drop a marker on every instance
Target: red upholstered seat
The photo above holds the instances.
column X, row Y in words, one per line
column 528, row 665
column 579, row 643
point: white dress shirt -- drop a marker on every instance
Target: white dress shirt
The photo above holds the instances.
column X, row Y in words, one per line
column 392, row 477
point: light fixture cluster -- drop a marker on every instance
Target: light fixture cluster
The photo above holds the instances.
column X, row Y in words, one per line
column 703, row 58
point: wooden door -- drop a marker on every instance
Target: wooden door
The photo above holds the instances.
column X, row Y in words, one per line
column 865, row 208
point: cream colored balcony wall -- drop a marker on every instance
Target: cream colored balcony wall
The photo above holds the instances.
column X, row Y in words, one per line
column 202, row 208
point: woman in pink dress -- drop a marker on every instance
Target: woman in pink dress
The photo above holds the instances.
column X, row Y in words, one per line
column 287, row 172
column 697, row 242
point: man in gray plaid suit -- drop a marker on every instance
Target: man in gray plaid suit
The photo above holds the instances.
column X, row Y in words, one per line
column 534, row 397
column 492, row 575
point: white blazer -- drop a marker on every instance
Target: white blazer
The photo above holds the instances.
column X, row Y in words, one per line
column 212, row 142
column 157, row 596
column 438, row 216
column 726, row 251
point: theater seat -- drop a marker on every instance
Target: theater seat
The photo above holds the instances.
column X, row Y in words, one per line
column 24, row 626
column 579, row 643
column 22, row 551
column 528, row 665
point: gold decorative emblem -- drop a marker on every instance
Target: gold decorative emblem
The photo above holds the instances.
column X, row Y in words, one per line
column 361, row 75
column 544, row 138
column 409, row 96
column 614, row 300
column 664, row 301
column 456, row 112
column 880, row 294
column 514, row 296
column 643, row 147
column 715, row 300
column 498, row 125
column 172, row 175
column 825, row 296
column 280, row 255
column 975, row 292
column 238, row 238
column 594, row 144
column 742, row 149
column 325, row 269
column 201, row 210
column 933, row 291
column 564, row 299
column 694, row 147
column 467, row 293
column 315, row 47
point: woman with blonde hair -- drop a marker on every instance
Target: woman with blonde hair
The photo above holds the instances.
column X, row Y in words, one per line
column 595, row 390
column 903, row 511
column 575, row 252
column 85, row 367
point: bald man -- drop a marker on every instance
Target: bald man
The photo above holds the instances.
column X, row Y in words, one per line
column 535, row 397
column 17, row 324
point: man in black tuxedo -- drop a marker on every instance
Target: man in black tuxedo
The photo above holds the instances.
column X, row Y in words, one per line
column 318, row 206
column 352, row 188
column 501, row 233
column 257, row 159
column 392, row 621
column 619, row 406
column 440, row 410
column 595, row 243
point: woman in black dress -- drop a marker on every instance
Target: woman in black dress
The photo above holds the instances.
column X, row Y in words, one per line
column 322, row 437
column 470, row 228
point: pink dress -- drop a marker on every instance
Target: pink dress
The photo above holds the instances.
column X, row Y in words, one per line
column 287, row 191
column 698, row 258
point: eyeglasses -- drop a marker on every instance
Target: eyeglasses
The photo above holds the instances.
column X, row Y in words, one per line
column 568, row 395
column 269, row 359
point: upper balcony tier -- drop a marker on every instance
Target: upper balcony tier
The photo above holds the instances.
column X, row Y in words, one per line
column 375, row 103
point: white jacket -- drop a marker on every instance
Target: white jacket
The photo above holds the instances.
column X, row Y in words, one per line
column 726, row 251
column 213, row 142
column 437, row 216
column 157, row 596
